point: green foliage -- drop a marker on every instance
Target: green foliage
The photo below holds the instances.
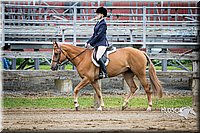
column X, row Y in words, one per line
column 19, row 61
column 170, row 62
column 156, row 62
column 184, row 62
column 48, row 67
column 30, row 62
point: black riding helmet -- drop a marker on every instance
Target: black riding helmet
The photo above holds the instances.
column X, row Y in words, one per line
column 102, row 10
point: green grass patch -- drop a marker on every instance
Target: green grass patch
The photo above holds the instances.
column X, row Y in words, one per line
column 48, row 67
column 87, row 102
column 172, row 68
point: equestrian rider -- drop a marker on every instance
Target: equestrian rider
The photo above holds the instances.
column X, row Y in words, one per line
column 99, row 40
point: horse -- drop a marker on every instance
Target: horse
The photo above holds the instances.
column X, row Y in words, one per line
column 127, row 61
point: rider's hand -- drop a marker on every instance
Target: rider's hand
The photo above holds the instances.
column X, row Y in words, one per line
column 86, row 45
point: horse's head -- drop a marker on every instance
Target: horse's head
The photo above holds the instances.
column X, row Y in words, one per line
column 58, row 56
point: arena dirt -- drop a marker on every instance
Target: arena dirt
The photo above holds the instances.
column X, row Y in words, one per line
column 89, row 119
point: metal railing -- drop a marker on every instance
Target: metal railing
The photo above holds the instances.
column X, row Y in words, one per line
column 141, row 26
column 35, row 26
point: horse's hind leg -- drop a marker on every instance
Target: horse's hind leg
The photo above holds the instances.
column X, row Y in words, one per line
column 144, row 82
column 128, row 76
column 96, row 86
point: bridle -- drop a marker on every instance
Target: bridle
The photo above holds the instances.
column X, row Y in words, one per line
column 67, row 60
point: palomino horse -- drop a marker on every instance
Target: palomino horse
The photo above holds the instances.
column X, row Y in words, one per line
column 127, row 61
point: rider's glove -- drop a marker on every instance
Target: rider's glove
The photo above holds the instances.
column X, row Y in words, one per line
column 86, row 45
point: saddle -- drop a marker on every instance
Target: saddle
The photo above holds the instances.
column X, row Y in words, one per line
column 106, row 60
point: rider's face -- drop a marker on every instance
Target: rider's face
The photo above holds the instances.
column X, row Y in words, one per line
column 99, row 15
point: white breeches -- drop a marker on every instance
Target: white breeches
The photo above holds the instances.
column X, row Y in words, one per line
column 100, row 51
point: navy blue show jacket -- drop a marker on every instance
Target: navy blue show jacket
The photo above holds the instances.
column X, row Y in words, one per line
column 99, row 36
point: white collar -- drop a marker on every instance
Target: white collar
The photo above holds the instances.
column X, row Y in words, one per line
column 100, row 19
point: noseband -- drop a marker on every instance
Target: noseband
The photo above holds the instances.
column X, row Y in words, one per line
column 59, row 55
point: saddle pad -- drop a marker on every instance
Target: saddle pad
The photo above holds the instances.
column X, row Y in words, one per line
column 106, row 59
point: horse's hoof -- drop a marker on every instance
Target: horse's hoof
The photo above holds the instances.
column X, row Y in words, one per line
column 76, row 108
column 99, row 109
column 124, row 107
column 149, row 109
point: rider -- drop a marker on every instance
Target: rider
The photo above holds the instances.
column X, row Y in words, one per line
column 99, row 40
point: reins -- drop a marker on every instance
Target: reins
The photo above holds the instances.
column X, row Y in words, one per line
column 67, row 60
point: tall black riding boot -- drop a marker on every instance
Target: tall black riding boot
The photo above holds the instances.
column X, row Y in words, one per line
column 103, row 68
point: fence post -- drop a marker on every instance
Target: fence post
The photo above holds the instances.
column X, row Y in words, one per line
column 144, row 27
column 63, row 35
column 14, row 62
column 2, row 24
column 74, row 25
column 36, row 62
column 63, row 41
column 195, row 85
column 164, row 61
column 131, row 36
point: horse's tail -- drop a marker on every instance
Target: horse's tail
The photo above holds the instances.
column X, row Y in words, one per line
column 156, row 85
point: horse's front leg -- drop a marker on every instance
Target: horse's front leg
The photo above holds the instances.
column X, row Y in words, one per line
column 97, row 88
column 83, row 83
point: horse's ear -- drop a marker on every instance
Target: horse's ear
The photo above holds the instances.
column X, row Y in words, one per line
column 55, row 43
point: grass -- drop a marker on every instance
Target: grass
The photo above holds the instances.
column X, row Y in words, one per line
column 87, row 102
column 172, row 68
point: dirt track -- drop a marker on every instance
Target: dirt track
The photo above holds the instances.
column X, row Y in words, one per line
column 86, row 119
